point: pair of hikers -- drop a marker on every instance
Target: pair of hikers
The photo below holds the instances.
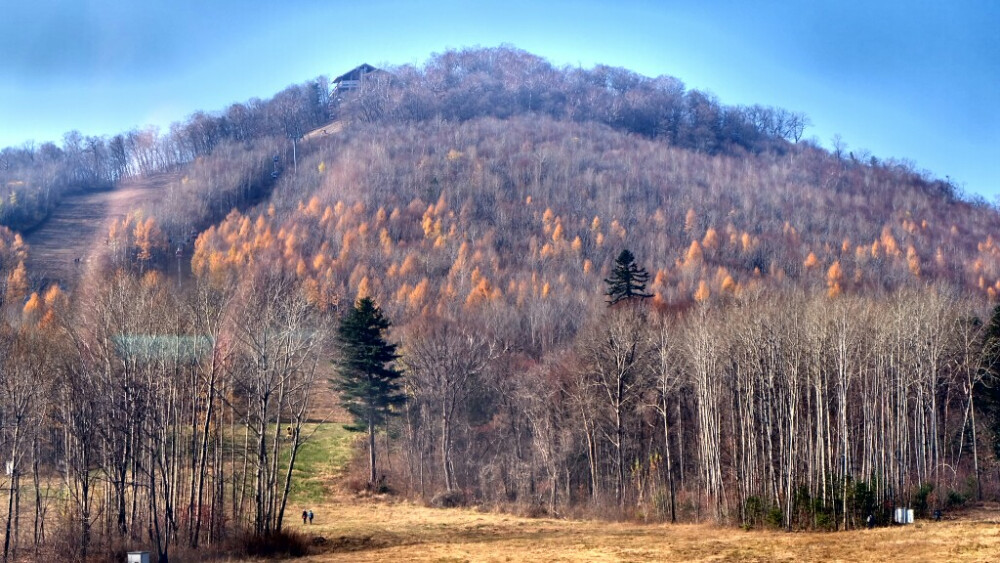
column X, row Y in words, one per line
column 307, row 515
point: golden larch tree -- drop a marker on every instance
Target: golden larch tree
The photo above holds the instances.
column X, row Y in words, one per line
column 811, row 261
column 17, row 285
column 834, row 279
column 703, row 293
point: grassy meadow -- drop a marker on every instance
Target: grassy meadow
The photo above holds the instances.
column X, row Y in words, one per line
column 349, row 527
column 383, row 530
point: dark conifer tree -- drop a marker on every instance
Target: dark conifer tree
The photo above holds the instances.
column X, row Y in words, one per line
column 987, row 388
column 368, row 383
column 628, row 280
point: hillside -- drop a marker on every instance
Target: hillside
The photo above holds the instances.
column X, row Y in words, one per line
column 552, row 202
column 605, row 153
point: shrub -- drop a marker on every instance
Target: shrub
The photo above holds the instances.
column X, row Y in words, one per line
column 448, row 499
column 753, row 512
column 283, row 543
column 920, row 503
column 775, row 517
column 825, row 521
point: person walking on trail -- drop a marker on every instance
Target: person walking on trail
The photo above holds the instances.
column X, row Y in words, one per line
column 310, row 516
column 305, row 514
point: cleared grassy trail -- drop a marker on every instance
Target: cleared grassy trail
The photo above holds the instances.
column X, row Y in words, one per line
column 78, row 228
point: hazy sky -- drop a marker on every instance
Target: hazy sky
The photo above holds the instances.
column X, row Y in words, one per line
column 909, row 79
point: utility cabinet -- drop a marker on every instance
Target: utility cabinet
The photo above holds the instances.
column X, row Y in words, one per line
column 903, row 516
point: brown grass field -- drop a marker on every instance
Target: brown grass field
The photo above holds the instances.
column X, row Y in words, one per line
column 357, row 529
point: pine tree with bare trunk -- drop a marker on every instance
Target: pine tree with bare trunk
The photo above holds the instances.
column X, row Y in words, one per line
column 370, row 386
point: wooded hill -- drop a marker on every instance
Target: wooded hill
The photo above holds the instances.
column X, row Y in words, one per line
column 708, row 195
column 817, row 348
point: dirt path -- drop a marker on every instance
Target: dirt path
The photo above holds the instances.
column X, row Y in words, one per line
column 79, row 226
column 331, row 128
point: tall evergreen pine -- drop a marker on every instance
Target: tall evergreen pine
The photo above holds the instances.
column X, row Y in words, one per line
column 627, row 280
column 369, row 384
column 987, row 388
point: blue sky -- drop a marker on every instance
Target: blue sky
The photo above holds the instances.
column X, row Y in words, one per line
column 911, row 79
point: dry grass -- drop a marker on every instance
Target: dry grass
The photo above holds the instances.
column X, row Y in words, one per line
column 383, row 530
